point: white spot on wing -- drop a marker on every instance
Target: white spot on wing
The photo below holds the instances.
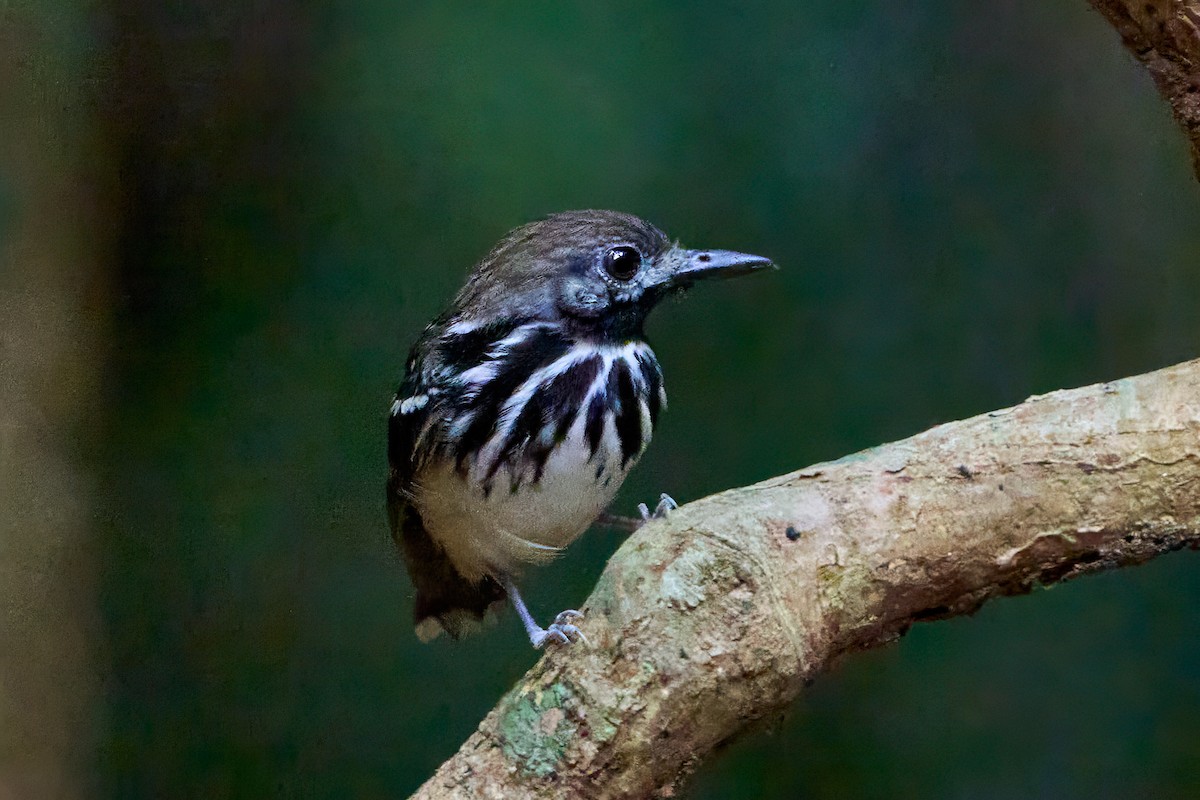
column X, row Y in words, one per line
column 414, row 403
column 409, row 404
column 464, row 326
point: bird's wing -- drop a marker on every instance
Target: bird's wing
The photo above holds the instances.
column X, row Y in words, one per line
column 444, row 600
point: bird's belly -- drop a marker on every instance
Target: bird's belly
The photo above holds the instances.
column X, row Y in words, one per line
column 520, row 515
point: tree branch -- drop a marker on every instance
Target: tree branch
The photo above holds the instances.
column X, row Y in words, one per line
column 721, row 614
column 1165, row 37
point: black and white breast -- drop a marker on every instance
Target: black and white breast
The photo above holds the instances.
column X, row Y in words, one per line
column 544, row 431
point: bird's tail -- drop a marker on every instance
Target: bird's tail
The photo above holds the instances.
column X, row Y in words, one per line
column 446, row 601
column 457, row 607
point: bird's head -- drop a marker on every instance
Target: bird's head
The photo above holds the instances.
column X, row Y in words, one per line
column 599, row 271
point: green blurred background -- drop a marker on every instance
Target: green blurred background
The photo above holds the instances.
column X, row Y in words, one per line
column 266, row 201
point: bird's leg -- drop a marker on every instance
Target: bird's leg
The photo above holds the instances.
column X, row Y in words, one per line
column 619, row 521
column 560, row 631
column 666, row 504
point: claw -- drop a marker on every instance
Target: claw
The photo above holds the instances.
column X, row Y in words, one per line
column 666, row 504
column 560, row 631
column 574, row 634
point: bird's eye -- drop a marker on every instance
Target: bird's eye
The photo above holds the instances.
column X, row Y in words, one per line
column 622, row 262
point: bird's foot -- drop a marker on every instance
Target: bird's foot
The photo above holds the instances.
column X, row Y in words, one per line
column 666, row 504
column 561, row 631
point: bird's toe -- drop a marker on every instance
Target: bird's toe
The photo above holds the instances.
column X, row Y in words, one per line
column 561, row 631
column 572, row 633
column 666, row 504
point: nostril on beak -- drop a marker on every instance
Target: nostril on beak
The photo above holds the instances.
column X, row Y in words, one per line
column 704, row 257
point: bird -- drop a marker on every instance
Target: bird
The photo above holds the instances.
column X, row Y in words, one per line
column 525, row 404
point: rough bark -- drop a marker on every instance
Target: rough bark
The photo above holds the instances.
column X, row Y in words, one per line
column 722, row 613
column 1165, row 37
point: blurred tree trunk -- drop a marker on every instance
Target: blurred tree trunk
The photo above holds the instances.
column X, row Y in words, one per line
column 53, row 332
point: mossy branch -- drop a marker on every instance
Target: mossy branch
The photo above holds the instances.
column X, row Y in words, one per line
column 722, row 613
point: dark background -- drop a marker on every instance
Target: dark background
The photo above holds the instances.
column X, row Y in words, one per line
column 970, row 203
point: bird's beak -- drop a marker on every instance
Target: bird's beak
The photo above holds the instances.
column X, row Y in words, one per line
column 679, row 268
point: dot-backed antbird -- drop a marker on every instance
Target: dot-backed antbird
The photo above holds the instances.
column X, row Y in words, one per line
column 525, row 405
